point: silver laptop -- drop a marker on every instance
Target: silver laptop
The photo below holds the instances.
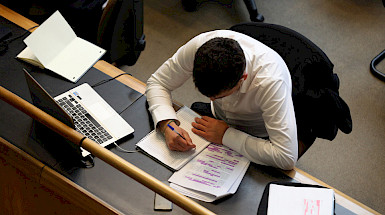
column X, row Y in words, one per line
column 83, row 109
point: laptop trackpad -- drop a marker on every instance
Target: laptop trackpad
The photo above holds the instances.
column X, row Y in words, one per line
column 98, row 109
column 110, row 120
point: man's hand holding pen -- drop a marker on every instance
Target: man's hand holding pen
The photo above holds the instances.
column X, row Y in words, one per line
column 177, row 139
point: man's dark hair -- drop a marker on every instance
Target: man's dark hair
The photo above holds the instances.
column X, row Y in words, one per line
column 218, row 65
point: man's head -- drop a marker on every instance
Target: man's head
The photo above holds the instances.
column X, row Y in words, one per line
column 219, row 65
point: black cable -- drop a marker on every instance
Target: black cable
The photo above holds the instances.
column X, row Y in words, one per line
column 130, row 105
column 4, row 44
column 108, row 80
column 81, row 141
column 25, row 33
column 88, row 162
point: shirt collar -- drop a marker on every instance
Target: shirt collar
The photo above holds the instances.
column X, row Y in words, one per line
column 245, row 83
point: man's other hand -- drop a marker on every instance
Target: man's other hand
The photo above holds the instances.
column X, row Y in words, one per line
column 210, row 129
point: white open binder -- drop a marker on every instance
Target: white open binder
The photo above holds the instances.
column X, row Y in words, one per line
column 56, row 47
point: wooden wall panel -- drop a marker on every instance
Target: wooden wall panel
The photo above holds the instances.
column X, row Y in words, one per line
column 27, row 186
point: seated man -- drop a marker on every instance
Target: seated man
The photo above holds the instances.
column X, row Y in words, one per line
column 250, row 88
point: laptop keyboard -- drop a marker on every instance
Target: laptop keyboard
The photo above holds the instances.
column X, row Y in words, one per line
column 84, row 122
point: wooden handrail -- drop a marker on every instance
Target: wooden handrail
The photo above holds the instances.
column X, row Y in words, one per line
column 102, row 153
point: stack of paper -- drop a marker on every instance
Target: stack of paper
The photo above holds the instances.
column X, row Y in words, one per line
column 207, row 173
column 55, row 46
column 215, row 173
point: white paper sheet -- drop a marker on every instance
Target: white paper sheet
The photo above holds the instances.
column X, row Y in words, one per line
column 292, row 200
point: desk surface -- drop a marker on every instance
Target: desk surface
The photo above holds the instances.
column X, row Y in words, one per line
column 115, row 194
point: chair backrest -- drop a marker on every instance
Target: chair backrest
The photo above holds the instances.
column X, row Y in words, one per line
column 302, row 57
column 120, row 31
column 319, row 109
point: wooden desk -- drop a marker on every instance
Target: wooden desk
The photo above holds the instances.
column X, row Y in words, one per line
column 33, row 187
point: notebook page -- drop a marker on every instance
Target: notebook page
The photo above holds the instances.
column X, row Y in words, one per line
column 81, row 54
column 50, row 38
column 155, row 145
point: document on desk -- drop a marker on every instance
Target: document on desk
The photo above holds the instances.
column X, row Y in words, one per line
column 300, row 200
column 215, row 173
column 55, row 46
column 154, row 143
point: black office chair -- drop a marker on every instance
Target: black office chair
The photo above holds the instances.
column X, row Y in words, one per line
column 191, row 5
column 380, row 75
column 319, row 109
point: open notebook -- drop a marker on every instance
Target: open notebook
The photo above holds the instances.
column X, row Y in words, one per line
column 154, row 143
column 55, row 46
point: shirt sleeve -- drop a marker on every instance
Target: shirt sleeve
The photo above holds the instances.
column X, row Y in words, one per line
column 281, row 149
column 169, row 76
column 173, row 73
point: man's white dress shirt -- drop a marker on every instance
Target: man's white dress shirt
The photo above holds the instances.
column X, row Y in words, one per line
column 260, row 114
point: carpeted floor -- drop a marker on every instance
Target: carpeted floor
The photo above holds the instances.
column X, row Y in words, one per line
column 351, row 33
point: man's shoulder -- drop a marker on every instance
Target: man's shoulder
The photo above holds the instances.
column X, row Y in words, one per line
column 222, row 33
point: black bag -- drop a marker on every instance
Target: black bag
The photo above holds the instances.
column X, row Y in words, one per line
column 121, row 31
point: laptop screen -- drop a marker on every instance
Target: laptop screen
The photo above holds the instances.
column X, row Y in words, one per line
column 45, row 102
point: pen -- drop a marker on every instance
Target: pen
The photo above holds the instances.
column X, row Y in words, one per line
column 175, row 131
